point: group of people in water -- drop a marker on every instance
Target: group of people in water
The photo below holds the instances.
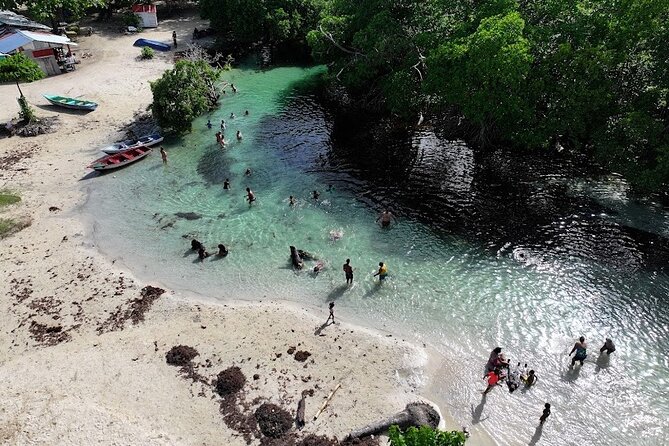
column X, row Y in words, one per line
column 202, row 252
column 498, row 369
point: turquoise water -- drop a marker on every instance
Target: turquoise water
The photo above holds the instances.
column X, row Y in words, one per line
column 443, row 288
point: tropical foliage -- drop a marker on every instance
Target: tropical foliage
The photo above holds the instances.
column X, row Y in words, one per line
column 425, row 436
column 183, row 93
column 19, row 68
column 52, row 10
column 270, row 20
column 591, row 75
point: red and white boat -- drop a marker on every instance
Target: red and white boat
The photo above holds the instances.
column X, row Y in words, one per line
column 120, row 159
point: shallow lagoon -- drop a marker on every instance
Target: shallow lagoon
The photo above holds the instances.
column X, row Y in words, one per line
column 444, row 288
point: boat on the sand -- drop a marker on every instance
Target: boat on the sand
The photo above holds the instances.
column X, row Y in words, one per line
column 71, row 103
column 159, row 46
column 146, row 141
column 120, row 159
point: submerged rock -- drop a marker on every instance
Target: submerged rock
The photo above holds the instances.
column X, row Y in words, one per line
column 189, row 215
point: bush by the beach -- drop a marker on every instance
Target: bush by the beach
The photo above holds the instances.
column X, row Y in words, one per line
column 147, row 53
column 9, row 226
column 7, row 198
column 19, row 68
column 184, row 93
column 425, row 436
column 131, row 19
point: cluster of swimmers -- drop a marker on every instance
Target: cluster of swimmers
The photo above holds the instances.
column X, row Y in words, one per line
column 498, row 369
column 202, row 253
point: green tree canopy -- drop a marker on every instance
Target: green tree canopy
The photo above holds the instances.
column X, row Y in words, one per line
column 184, row 93
column 19, row 68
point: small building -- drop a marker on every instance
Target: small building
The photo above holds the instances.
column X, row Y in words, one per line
column 148, row 14
column 48, row 50
column 10, row 21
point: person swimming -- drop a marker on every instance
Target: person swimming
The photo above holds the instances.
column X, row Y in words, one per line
column 336, row 234
column 202, row 253
column 385, row 218
column 291, row 201
column 295, row 258
column 315, row 195
column 232, row 116
column 248, row 172
column 209, row 123
column 246, row 113
column 222, row 250
column 319, row 267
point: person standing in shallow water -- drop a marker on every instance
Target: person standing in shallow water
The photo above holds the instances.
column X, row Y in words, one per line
column 348, row 271
column 174, row 38
column 250, row 196
column 226, row 184
column 581, row 351
column 545, row 414
column 382, row 272
column 608, row 347
column 163, row 155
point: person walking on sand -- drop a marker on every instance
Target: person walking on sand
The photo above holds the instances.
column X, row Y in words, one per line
column 174, row 38
column 545, row 414
column 348, row 271
column 382, row 272
column 581, row 351
column 385, row 218
column 608, row 347
column 331, row 306
column 163, row 155
column 250, row 196
column 226, row 184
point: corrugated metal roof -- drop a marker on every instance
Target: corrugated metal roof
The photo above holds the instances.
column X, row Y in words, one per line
column 10, row 18
column 19, row 38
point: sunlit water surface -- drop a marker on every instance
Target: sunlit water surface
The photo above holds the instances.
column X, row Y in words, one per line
column 457, row 281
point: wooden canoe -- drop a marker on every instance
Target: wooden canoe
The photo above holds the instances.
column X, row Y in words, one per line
column 120, row 159
column 72, row 103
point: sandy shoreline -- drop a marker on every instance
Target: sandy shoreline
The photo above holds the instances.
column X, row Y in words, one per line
column 71, row 379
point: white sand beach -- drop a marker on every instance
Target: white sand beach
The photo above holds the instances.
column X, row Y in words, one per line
column 75, row 367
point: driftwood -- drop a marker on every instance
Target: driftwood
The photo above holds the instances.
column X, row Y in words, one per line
column 301, row 405
column 415, row 414
column 325, row 403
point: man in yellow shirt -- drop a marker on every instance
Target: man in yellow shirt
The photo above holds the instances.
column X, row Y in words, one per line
column 382, row 272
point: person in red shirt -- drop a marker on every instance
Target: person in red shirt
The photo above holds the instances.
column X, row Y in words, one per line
column 493, row 380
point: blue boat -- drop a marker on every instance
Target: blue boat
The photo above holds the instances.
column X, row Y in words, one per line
column 159, row 46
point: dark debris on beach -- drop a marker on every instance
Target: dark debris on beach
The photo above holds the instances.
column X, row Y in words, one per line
column 133, row 309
